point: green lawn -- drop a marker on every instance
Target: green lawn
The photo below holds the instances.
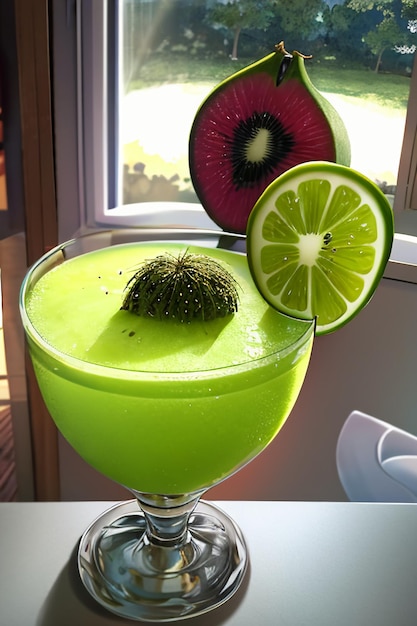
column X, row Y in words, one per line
column 387, row 90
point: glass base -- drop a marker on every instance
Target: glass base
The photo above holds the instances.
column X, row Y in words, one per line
column 134, row 578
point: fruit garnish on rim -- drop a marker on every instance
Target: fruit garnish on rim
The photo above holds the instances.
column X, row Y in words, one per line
column 255, row 125
column 318, row 241
column 183, row 287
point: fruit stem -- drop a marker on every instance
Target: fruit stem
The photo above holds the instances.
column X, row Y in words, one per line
column 280, row 47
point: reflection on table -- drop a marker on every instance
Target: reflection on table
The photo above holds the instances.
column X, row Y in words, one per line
column 312, row 564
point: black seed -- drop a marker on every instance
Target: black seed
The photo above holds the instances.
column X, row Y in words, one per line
column 285, row 64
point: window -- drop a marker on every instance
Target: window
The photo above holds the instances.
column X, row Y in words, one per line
column 136, row 71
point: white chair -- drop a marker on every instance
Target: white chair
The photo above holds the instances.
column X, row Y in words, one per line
column 376, row 461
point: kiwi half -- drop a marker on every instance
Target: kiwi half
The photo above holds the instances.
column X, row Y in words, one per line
column 254, row 126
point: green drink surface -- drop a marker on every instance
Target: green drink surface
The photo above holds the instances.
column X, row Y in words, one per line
column 161, row 406
column 75, row 308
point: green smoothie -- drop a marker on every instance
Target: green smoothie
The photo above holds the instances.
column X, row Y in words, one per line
column 161, row 406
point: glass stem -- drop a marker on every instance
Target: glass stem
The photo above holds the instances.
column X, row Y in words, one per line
column 167, row 517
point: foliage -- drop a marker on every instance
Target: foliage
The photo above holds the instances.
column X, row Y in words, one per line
column 243, row 13
column 236, row 15
column 368, row 5
column 297, row 17
column 391, row 31
column 342, row 22
column 351, row 31
column 387, row 34
column 409, row 9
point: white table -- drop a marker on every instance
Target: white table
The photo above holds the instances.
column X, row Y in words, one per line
column 312, row 564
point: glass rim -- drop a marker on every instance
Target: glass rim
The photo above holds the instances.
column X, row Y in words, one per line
column 104, row 371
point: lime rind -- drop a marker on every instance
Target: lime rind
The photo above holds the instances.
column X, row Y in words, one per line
column 319, row 238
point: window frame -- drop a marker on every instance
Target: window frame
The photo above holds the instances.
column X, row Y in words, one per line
column 87, row 185
column 405, row 203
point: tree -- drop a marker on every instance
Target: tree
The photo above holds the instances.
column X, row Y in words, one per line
column 409, row 12
column 237, row 15
column 368, row 5
column 387, row 34
column 345, row 29
column 299, row 17
column 395, row 28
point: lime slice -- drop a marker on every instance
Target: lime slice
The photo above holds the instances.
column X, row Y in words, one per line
column 318, row 240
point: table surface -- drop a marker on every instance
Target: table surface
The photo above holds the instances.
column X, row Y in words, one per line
column 311, row 563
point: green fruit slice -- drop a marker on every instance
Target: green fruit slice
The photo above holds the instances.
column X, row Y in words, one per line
column 318, row 240
column 255, row 125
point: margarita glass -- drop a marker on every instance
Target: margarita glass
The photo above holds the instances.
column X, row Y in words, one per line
column 167, row 409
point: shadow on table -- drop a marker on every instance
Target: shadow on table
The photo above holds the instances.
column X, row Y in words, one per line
column 69, row 603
